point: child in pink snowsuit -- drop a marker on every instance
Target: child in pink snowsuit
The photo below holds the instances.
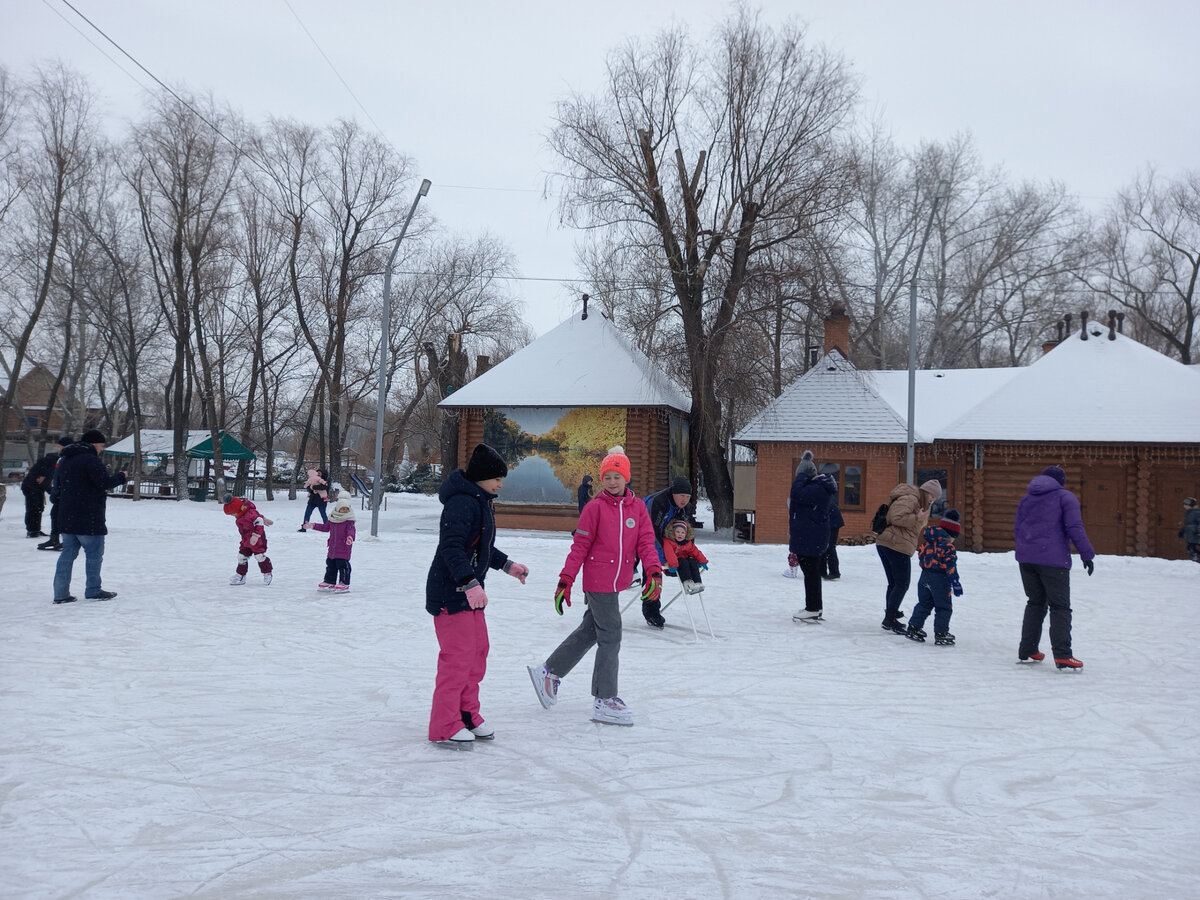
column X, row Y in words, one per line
column 341, row 541
column 250, row 525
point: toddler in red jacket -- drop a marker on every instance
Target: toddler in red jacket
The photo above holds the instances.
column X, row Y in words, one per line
column 684, row 557
column 251, row 526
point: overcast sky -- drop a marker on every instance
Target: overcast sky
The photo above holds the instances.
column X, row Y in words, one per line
column 1087, row 93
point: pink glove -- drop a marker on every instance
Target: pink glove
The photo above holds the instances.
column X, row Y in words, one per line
column 253, row 539
column 476, row 598
column 516, row 570
column 793, row 560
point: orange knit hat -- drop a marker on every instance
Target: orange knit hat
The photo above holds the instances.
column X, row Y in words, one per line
column 616, row 461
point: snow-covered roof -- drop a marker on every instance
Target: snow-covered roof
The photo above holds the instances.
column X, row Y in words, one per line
column 835, row 402
column 1095, row 391
column 581, row 362
column 158, row 441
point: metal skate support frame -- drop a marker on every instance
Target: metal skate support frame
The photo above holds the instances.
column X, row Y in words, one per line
column 687, row 606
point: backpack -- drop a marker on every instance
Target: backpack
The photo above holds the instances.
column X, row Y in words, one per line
column 879, row 522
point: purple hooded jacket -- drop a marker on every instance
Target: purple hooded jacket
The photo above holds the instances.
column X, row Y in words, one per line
column 1047, row 516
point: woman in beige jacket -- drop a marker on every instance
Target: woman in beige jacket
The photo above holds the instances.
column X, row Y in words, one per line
column 908, row 513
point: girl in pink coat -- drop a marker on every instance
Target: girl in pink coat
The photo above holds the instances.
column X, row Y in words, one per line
column 341, row 541
column 614, row 531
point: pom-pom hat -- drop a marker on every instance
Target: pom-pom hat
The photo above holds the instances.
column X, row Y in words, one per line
column 618, row 462
column 951, row 521
column 806, row 466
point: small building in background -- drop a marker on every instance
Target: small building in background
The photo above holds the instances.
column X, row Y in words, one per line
column 1120, row 418
column 555, row 408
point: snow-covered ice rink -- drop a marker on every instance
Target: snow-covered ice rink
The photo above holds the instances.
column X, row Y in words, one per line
column 195, row 739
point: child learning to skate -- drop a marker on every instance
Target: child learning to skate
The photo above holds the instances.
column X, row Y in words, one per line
column 341, row 541
column 251, row 526
column 939, row 578
column 614, row 531
column 684, row 557
column 455, row 597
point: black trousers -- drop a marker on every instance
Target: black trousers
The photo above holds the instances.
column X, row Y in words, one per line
column 1048, row 589
column 336, row 567
column 689, row 570
column 830, row 568
column 35, row 502
column 811, row 567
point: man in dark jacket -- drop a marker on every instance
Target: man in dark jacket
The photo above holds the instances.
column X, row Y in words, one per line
column 35, row 486
column 809, row 504
column 664, row 507
column 1047, row 522
column 83, row 485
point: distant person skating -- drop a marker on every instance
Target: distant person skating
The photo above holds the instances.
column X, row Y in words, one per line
column 684, row 557
column 1047, row 523
column 54, row 542
column 455, row 597
column 317, row 485
column 939, row 579
column 831, row 569
column 1190, row 532
column 251, row 526
column 614, row 530
column 809, row 504
column 35, row 486
column 584, row 492
column 83, row 486
column 341, row 542
column 907, row 516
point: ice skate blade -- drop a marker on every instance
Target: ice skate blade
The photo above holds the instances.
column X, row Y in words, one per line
column 610, row 722
column 455, row 745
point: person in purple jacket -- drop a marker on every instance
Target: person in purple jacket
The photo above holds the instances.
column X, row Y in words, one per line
column 1047, row 523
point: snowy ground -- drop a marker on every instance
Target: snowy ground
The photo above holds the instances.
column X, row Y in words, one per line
column 191, row 738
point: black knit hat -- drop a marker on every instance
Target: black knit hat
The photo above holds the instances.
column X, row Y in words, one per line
column 680, row 485
column 951, row 521
column 485, row 463
column 65, row 441
column 94, row 436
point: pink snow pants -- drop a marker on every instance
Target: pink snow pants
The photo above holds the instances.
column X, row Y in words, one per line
column 462, row 662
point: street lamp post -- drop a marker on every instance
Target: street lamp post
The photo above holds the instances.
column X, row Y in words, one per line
column 377, row 486
column 909, row 467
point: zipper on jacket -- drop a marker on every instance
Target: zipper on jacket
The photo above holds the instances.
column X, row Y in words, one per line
column 620, row 542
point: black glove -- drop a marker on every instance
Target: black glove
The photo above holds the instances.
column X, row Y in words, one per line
column 1087, row 564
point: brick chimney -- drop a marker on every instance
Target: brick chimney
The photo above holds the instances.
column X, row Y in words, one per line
column 837, row 330
column 482, row 364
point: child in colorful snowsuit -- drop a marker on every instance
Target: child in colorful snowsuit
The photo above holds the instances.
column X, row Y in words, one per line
column 1190, row 532
column 939, row 578
column 455, row 597
column 341, row 541
column 614, row 531
column 683, row 557
column 251, row 526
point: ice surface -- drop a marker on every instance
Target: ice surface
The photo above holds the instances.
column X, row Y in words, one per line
column 192, row 738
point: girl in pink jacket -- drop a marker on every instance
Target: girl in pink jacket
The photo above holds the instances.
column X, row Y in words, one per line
column 614, row 531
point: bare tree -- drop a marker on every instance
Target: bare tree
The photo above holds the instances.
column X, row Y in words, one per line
column 56, row 160
column 720, row 152
column 1146, row 259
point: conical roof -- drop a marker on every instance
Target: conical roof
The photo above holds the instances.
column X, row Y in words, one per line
column 581, row 362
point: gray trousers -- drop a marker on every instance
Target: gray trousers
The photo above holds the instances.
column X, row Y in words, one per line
column 601, row 627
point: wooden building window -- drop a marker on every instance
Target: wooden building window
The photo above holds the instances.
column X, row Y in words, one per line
column 849, row 477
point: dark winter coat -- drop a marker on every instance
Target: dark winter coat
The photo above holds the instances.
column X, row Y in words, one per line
column 83, row 485
column 465, row 548
column 1191, row 526
column 905, row 519
column 662, row 509
column 1047, row 518
column 938, row 553
column 835, row 516
column 584, row 493
column 43, row 469
column 809, row 505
